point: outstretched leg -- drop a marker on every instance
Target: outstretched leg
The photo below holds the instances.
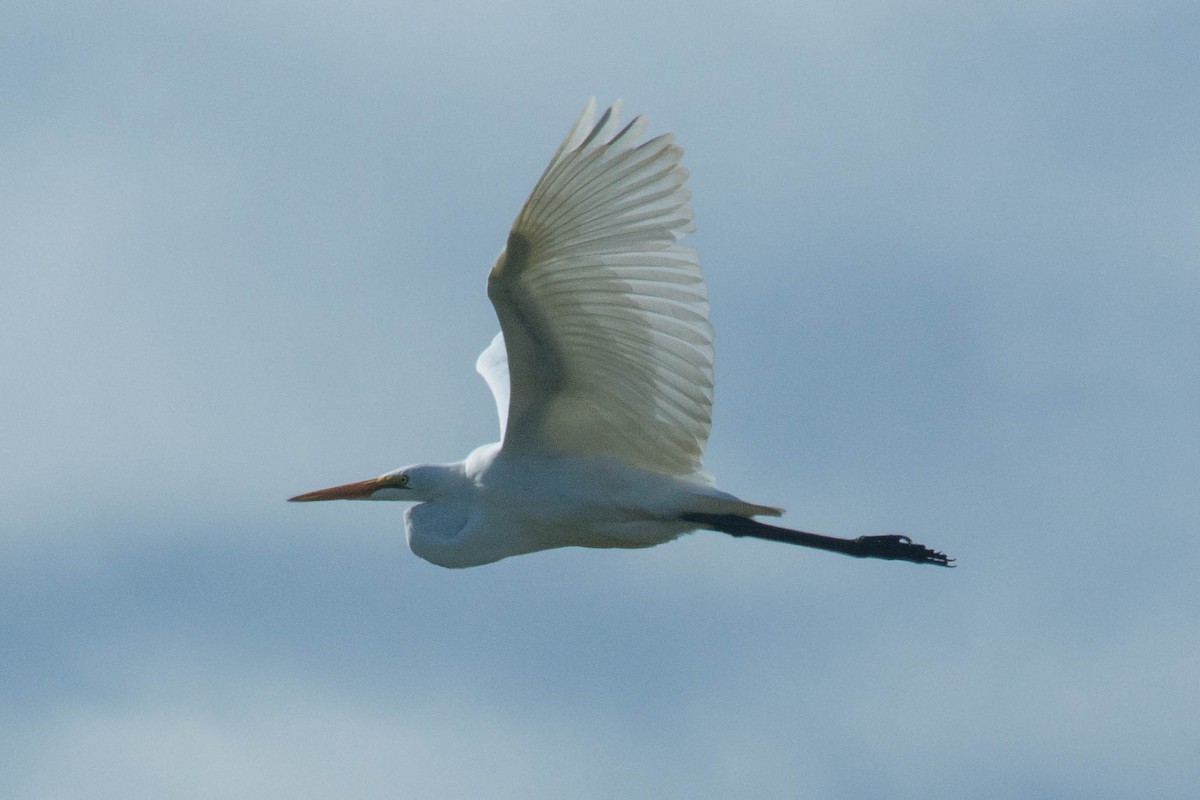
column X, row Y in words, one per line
column 891, row 547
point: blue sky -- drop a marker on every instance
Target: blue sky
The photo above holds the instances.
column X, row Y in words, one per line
column 952, row 257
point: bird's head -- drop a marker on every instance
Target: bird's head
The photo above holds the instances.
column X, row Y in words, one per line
column 412, row 484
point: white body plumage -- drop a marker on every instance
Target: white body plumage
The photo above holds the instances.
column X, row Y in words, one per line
column 492, row 505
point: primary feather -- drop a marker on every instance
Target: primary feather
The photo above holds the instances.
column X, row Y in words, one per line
column 604, row 317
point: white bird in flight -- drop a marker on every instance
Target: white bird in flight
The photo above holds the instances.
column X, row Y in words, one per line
column 602, row 374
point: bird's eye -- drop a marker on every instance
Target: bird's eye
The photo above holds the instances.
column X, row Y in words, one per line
column 402, row 480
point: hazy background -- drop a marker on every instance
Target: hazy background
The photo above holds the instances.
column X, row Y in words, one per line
column 952, row 257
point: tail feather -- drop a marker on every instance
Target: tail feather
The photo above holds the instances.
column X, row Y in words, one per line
column 714, row 501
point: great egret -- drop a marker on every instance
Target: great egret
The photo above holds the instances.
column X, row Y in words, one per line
column 602, row 375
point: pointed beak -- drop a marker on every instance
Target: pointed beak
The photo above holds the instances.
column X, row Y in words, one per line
column 347, row 491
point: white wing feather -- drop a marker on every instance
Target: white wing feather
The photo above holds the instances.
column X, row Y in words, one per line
column 492, row 364
column 604, row 317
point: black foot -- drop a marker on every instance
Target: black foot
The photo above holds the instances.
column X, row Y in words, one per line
column 899, row 548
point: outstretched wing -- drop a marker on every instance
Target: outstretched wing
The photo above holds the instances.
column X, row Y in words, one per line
column 492, row 364
column 604, row 317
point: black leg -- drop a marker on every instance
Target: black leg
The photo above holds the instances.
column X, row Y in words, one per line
column 890, row 547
